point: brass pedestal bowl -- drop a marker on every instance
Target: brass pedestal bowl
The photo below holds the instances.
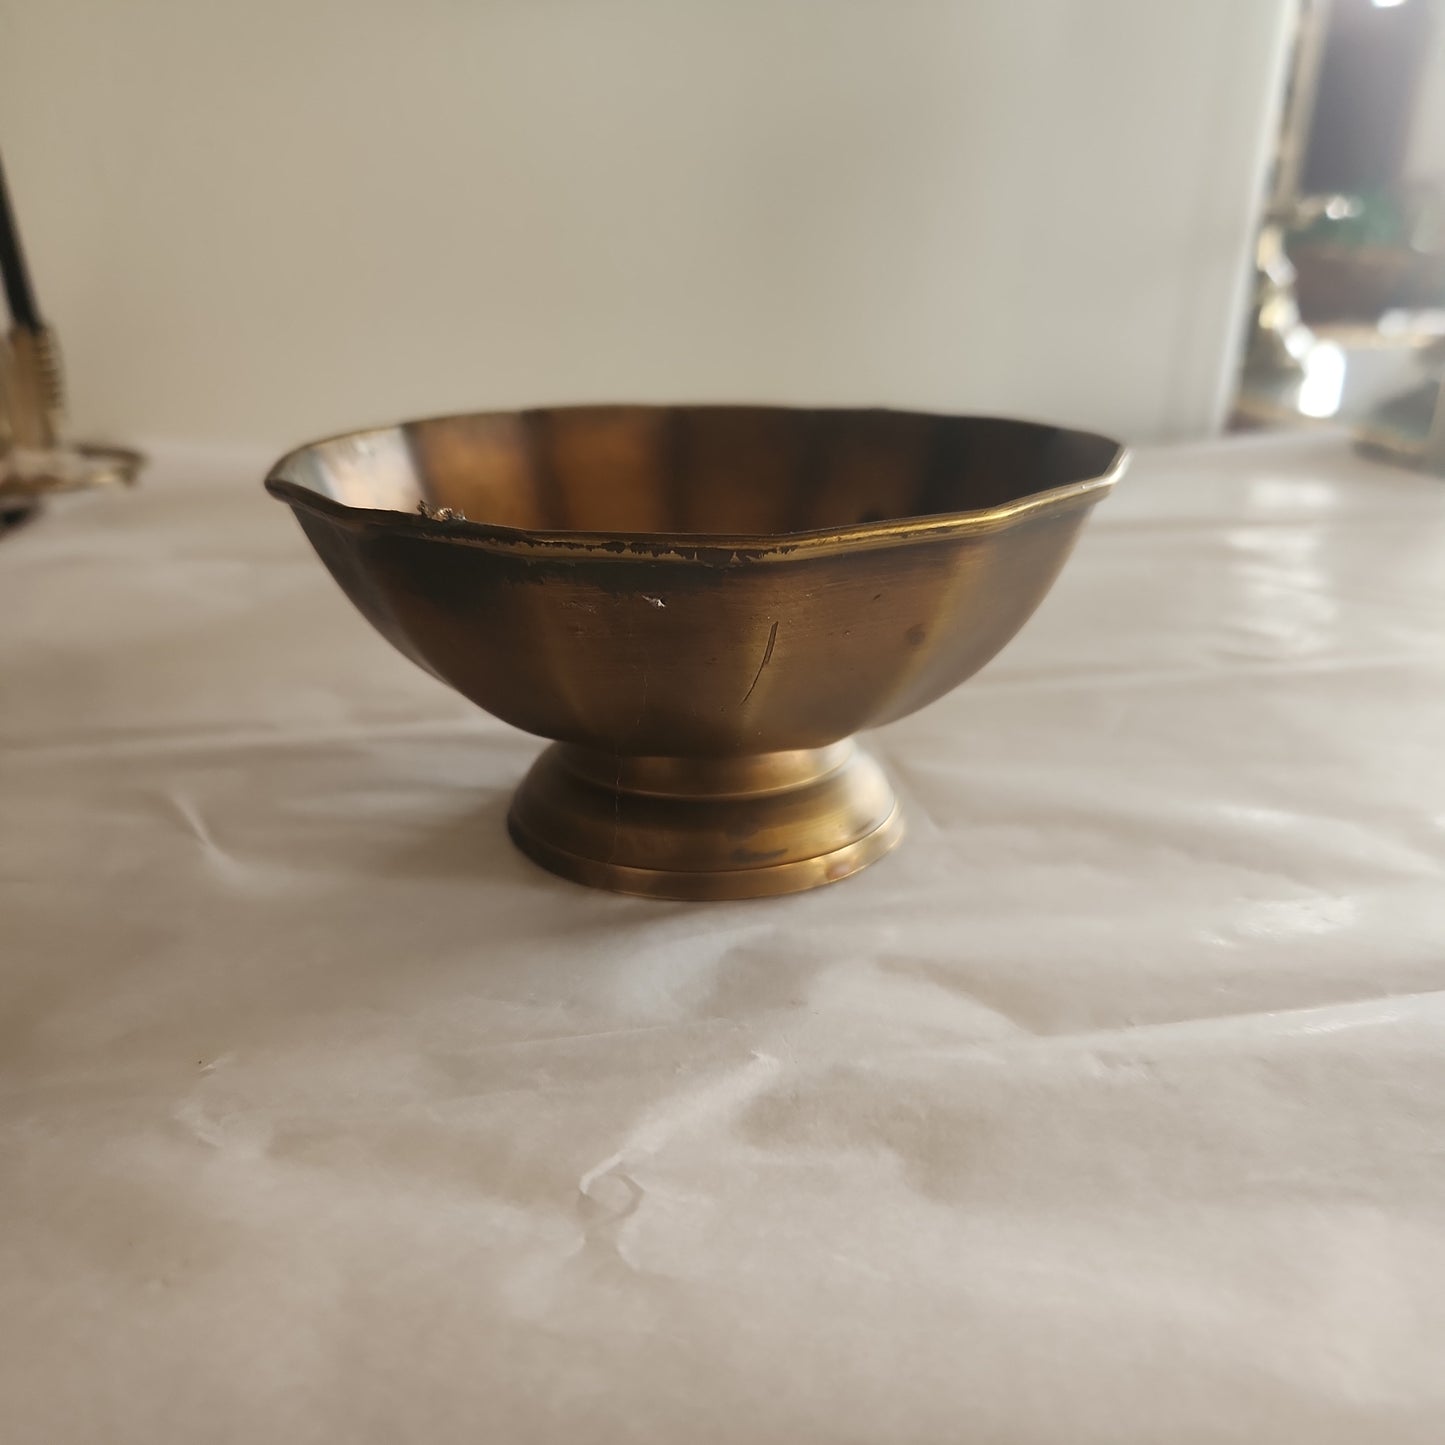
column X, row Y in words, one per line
column 700, row 606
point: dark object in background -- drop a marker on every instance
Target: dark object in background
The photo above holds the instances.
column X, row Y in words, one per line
column 1337, row 281
column 35, row 457
column 1375, row 247
column 19, row 293
column 1346, row 236
column 1368, row 88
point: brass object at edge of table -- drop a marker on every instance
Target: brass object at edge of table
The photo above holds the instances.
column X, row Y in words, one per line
column 36, row 459
column 700, row 606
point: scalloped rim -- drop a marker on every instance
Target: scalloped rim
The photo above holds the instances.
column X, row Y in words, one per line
column 692, row 546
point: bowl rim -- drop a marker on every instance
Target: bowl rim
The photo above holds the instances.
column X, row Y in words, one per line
column 696, row 546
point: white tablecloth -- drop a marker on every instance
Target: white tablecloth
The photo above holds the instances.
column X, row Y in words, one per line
column 1110, row 1109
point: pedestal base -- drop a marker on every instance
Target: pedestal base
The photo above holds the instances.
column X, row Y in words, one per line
column 705, row 828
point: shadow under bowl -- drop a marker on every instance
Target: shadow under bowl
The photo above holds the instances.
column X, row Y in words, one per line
column 700, row 605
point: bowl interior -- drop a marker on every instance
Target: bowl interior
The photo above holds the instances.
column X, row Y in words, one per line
column 721, row 470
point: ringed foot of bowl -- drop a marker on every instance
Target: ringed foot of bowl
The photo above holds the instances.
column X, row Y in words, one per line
column 705, row 828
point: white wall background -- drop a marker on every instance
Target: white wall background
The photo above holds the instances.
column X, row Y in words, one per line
column 271, row 220
column 1425, row 160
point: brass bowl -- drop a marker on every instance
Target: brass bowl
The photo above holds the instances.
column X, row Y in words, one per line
column 701, row 605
